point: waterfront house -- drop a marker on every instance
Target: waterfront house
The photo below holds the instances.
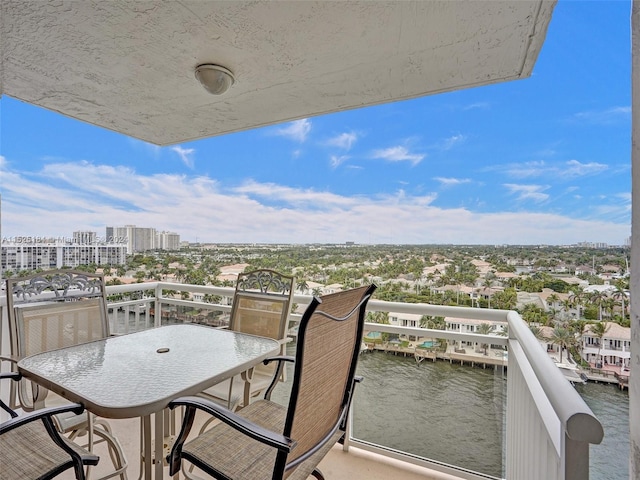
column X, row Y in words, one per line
column 612, row 352
column 471, row 325
column 406, row 320
column 129, row 67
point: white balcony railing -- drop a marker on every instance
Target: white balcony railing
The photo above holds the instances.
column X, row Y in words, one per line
column 548, row 425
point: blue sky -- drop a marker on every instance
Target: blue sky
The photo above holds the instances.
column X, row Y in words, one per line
column 540, row 160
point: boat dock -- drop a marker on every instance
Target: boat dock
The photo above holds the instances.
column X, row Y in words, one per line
column 455, row 355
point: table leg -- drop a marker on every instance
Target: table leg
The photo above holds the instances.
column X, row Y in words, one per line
column 146, row 444
column 155, row 444
column 159, row 449
column 247, row 376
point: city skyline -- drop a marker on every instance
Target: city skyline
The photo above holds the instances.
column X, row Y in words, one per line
column 544, row 160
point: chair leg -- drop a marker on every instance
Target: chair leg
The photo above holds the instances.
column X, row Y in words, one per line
column 102, row 429
column 317, row 474
column 115, row 452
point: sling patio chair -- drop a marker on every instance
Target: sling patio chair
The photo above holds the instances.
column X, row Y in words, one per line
column 261, row 305
column 266, row 440
column 51, row 310
column 32, row 448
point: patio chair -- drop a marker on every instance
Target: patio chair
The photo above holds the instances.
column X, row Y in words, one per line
column 261, row 305
column 31, row 446
column 51, row 310
column 266, row 440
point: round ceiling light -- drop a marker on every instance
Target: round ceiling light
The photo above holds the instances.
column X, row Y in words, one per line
column 214, row 78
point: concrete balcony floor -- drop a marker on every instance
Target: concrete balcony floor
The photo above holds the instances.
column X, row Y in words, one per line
column 337, row 465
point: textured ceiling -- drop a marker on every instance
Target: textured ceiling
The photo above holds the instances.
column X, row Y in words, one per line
column 129, row 65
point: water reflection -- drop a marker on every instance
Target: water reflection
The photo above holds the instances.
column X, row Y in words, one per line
column 456, row 414
column 450, row 413
column 610, row 459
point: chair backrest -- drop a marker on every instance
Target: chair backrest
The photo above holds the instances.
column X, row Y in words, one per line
column 53, row 309
column 329, row 339
column 261, row 304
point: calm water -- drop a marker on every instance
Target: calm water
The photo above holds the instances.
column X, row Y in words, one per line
column 610, row 459
column 455, row 414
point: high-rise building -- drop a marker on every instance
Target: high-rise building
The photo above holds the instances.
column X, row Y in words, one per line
column 31, row 253
column 85, row 238
column 139, row 239
column 168, row 241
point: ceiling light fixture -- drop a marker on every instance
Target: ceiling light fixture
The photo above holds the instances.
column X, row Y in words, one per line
column 214, row 78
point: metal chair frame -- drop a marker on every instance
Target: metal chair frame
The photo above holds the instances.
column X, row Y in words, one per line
column 295, row 458
column 19, row 425
column 261, row 306
column 68, row 307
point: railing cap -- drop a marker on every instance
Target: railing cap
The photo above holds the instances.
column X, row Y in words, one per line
column 585, row 427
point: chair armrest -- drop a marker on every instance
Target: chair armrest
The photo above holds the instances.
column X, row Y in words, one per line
column 38, row 414
column 279, row 358
column 343, row 426
column 9, row 358
column 276, row 375
column 78, row 459
column 246, row 427
column 15, row 375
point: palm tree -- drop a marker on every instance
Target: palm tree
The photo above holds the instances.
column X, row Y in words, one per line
column 566, row 306
column 488, row 283
column 576, row 301
column 563, row 337
column 378, row 317
column 609, row 304
column 303, row 286
column 620, row 294
column 485, row 329
column 531, row 313
column 210, row 298
column 505, row 330
column 552, row 300
column 537, row 332
column 434, row 323
column 597, row 298
column 599, row 330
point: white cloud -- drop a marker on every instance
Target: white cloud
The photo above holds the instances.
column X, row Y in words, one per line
column 293, row 196
column 344, row 140
column 398, row 154
column 337, row 160
column 569, row 169
column 65, row 197
column 185, row 155
column 528, row 192
column 573, row 168
column 604, row 117
column 450, row 142
column 296, row 131
column 450, row 181
column 477, row 105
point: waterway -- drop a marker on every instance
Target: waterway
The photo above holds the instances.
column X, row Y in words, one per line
column 455, row 414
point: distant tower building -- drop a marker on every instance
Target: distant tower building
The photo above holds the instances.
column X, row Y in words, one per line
column 85, row 238
column 139, row 239
column 168, row 241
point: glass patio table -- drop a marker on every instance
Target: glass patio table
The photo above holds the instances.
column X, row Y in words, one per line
column 138, row 374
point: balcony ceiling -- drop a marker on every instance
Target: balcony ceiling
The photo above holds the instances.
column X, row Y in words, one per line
column 128, row 66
